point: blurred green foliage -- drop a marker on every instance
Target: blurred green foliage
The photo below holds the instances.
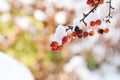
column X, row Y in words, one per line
column 25, row 49
column 91, row 63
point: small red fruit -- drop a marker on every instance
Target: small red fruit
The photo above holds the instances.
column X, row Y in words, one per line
column 92, row 23
column 74, row 34
column 106, row 30
column 101, row 1
column 80, row 31
column 88, row 2
column 98, row 22
column 85, row 34
column 95, row 1
column 93, row 5
column 80, row 36
column 91, row 33
column 59, row 48
column 65, row 39
column 54, row 49
column 100, row 31
column 54, row 44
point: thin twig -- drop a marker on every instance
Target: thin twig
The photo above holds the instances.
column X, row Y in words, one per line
column 69, row 28
column 109, row 14
column 85, row 15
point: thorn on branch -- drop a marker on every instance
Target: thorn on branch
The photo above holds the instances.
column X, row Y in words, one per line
column 112, row 7
column 108, row 21
column 84, row 14
column 69, row 28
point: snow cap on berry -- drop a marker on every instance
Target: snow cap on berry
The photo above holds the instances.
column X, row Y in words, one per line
column 59, row 34
column 76, row 22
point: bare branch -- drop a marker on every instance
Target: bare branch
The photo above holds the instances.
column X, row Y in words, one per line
column 85, row 15
column 109, row 16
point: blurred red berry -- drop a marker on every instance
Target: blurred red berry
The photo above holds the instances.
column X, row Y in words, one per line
column 98, row 22
column 59, row 48
column 54, row 44
column 54, row 49
column 96, row 1
column 91, row 33
column 85, row 34
column 80, row 31
column 100, row 31
column 74, row 34
column 101, row 1
column 93, row 3
column 88, row 2
column 92, row 23
column 80, row 36
column 65, row 39
column 106, row 30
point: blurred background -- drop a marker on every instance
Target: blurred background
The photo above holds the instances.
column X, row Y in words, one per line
column 27, row 28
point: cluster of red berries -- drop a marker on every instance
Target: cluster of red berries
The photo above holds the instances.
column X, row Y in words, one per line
column 93, row 3
column 78, row 32
column 95, row 23
column 98, row 23
column 54, row 45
